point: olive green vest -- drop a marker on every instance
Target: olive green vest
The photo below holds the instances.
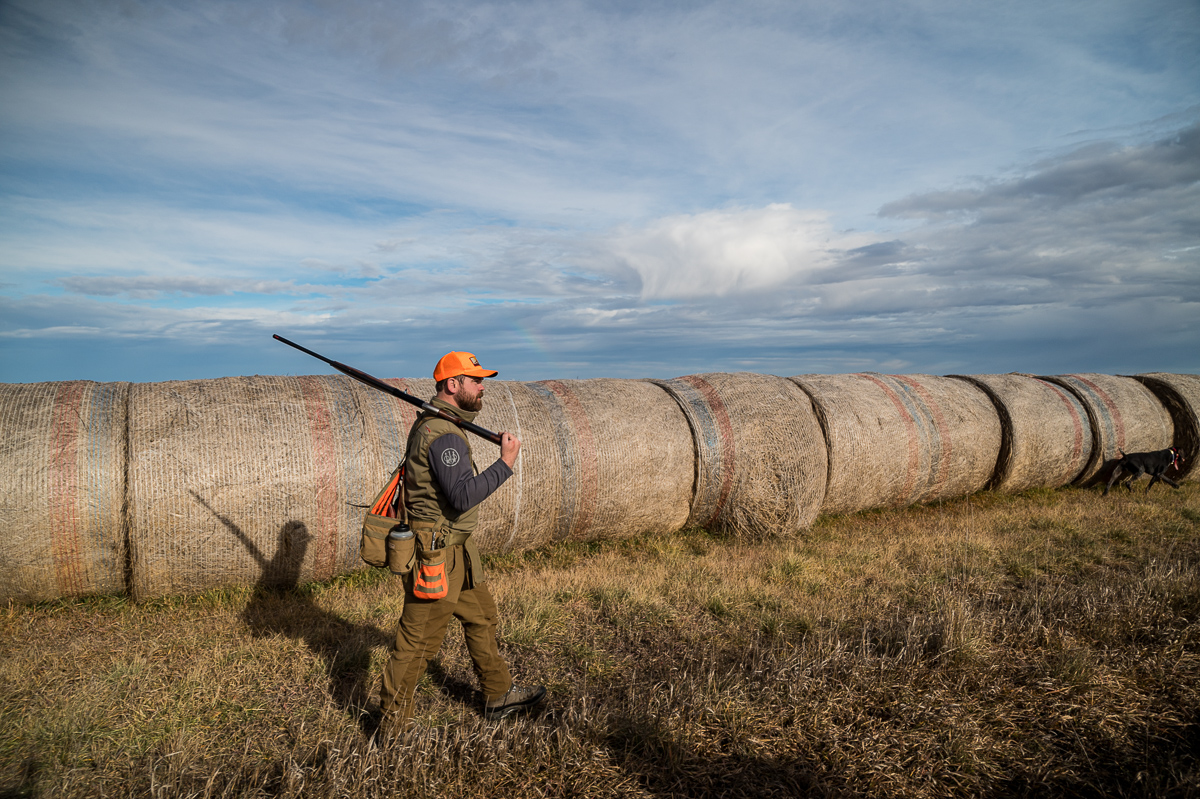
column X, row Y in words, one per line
column 428, row 509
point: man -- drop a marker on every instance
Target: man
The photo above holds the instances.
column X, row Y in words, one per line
column 443, row 492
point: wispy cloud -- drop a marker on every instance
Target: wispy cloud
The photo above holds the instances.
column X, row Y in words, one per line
column 148, row 288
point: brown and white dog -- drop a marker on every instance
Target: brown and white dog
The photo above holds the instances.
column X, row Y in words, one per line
column 1155, row 464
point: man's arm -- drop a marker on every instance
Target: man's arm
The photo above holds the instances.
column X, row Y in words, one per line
column 450, row 461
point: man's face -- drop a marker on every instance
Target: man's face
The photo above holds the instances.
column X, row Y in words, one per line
column 469, row 392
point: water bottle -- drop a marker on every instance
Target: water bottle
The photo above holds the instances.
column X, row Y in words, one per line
column 400, row 549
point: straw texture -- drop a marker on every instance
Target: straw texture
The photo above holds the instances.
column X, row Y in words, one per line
column 761, row 462
column 518, row 517
column 172, row 488
column 621, row 465
column 1046, row 436
column 1180, row 395
column 1125, row 417
column 898, row 439
column 62, row 489
column 245, row 480
column 507, row 520
column 386, row 422
column 599, row 458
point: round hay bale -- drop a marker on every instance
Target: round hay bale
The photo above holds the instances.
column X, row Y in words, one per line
column 387, row 420
column 1047, row 439
column 1125, row 417
column 761, row 462
column 519, row 516
column 512, row 519
column 621, row 461
column 1180, row 395
column 245, row 480
column 62, row 489
column 583, row 443
column 899, row 439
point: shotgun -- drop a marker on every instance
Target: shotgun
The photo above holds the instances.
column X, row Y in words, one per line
column 375, row 382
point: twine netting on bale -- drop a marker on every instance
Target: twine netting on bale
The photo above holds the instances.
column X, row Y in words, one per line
column 622, row 462
column 761, row 462
column 1125, row 417
column 386, row 422
column 1047, row 438
column 1180, row 395
column 62, row 489
column 898, row 439
column 245, row 480
column 516, row 517
column 599, row 458
column 510, row 520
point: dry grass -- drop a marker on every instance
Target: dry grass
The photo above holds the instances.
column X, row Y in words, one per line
column 1046, row 643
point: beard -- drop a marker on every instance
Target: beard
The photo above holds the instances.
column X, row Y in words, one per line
column 467, row 402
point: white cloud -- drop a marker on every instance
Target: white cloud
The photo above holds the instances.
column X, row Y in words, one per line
column 717, row 253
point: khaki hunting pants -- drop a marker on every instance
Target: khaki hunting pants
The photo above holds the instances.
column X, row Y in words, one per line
column 419, row 638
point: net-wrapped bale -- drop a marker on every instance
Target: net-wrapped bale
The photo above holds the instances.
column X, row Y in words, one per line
column 603, row 459
column 519, row 516
column 1125, row 417
column 761, row 462
column 599, row 458
column 1180, row 395
column 899, row 439
column 245, row 480
column 62, row 489
column 516, row 517
column 1046, row 436
column 387, row 420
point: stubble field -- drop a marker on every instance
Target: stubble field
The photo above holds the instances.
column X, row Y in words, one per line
column 1046, row 643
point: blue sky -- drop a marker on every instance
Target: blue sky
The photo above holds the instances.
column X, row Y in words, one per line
column 577, row 189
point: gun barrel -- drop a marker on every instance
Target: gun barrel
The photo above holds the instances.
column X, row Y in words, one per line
column 376, row 383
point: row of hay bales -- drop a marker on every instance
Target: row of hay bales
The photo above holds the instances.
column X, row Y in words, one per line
column 178, row 487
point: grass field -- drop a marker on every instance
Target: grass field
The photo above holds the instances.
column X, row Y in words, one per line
column 1040, row 644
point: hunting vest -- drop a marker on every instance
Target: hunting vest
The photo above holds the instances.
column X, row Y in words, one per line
column 428, row 508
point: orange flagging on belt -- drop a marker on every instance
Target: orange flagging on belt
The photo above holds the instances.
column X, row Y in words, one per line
column 430, row 581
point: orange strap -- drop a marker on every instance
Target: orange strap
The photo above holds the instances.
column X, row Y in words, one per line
column 385, row 505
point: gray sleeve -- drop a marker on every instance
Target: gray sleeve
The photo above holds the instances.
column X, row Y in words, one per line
column 450, row 461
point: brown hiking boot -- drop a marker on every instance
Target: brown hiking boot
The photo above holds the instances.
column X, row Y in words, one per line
column 517, row 700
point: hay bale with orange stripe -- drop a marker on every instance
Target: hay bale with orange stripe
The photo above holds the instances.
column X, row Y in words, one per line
column 1125, row 417
column 265, row 479
column 525, row 512
column 761, row 460
column 899, row 439
column 62, row 489
column 602, row 459
column 1046, row 436
column 246, row 480
column 1180, row 395
column 599, row 459
column 386, row 421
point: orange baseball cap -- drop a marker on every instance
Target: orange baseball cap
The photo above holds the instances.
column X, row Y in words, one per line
column 454, row 364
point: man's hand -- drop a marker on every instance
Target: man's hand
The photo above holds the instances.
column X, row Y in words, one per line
column 510, row 445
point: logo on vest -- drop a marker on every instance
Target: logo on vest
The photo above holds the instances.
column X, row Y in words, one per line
column 450, row 457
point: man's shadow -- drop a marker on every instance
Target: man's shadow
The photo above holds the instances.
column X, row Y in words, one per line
column 277, row 608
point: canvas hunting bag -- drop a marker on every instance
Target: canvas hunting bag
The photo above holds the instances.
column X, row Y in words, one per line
column 386, row 539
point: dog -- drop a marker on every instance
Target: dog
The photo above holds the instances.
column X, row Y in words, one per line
column 1155, row 464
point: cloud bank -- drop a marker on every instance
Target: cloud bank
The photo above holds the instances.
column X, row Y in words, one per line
column 594, row 189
